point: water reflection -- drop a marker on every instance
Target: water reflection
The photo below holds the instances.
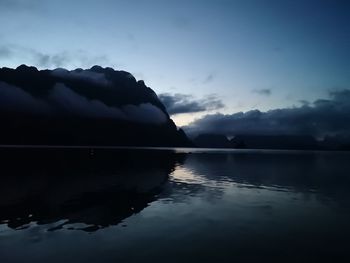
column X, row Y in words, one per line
column 229, row 206
column 322, row 174
column 99, row 188
column 95, row 188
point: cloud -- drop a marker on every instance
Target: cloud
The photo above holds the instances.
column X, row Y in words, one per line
column 322, row 117
column 19, row 5
column 98, row 78
column 63, row 59
column 16, row 99
column 264, row 92
column 184, row 103
column 63, row 100
column 47, row 61
column 67, row 100
column 145, row 112
column 31, row 56
column 209, row 78
column 304, row 102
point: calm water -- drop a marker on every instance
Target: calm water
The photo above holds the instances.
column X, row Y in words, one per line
column 174, row 206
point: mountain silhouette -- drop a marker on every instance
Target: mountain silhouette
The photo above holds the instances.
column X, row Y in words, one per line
column 287, row 142
column 96, row 106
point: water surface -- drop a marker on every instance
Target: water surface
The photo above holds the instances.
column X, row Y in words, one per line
column 173, row 205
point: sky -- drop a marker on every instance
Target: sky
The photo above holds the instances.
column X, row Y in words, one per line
column 222, row 57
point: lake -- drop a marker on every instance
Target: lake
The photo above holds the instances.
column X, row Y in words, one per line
column 174, row 205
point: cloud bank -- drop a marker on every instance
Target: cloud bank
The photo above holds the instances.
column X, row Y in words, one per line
column 64, row 99
column 13, row 98
column 320, row 118
column 79, row 93
column 97, row 78
column 184, row 103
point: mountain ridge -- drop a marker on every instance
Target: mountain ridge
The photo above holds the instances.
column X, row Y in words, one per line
column 96, row 106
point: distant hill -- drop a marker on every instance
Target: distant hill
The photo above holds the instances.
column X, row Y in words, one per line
column 297, row 142
column 97, row 106
column 212, row 141
column 290, row 142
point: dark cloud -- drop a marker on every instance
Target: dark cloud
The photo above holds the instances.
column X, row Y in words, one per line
column 184, row 103
column 25, row 55
column 47, row 61
column 209, row 78
column 304, row 102
column 19, row 5
column 265, row 92
column 322, row 117
column 63, row 99
column 16, row 99
column 65, row 58
column 66, row 99
column 98, row 78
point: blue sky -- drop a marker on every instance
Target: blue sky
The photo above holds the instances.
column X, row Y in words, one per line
column 262, row 54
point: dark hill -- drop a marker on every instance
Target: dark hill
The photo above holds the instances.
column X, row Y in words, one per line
column 291, row 142
column 97, row 106
column 212, row 141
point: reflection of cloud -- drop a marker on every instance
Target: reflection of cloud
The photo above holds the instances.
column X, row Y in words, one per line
column 183, row 103
column 303, row 172
column 322, row 117
column 185, row 182
column 209, row 175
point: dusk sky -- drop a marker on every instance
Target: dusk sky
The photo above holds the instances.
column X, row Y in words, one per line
column 241, row 55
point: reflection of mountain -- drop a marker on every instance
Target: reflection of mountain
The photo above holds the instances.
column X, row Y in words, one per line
column 97, row 188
